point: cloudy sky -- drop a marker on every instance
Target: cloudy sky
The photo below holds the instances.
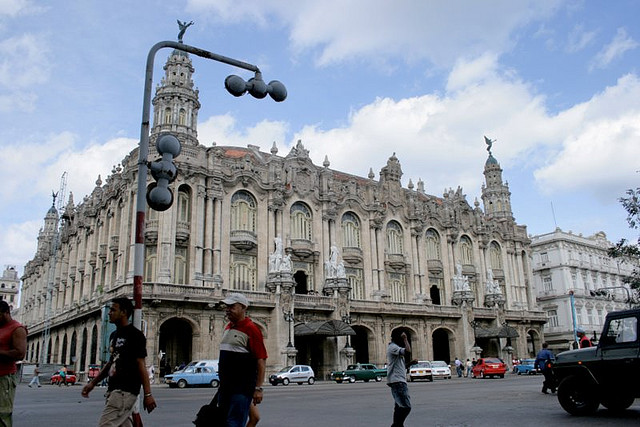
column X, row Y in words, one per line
column 555, row 83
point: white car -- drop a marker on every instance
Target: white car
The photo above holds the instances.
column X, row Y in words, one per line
column 440, row 369
column 293, row 374
column 421, row 371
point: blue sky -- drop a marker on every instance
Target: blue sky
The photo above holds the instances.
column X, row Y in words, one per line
column 555, row 83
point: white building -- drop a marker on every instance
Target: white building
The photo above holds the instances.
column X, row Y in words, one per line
column 350, row 252
column 570, row 267
column 9, row 286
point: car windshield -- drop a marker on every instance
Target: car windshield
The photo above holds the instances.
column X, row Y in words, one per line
column 287, row 369
column 439, row 364
column 527, row 361
column 491, row 360
column 422, row 365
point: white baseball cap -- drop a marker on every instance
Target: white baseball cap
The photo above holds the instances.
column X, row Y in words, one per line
column 234, row 298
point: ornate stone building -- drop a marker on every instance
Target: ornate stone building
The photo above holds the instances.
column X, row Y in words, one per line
column 578, row 283
column 9, row 285
column 319, row 252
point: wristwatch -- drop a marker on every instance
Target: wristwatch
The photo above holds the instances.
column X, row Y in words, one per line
column 258, row 388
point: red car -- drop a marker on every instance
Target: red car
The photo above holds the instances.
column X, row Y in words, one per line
column 489, row 367
column 71, row 378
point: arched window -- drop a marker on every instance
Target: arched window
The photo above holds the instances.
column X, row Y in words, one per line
column 432, row 240
column 301, row 221
column 184, row 204
column 182, row 117
column 243, row 212
column 466, row 250
column 356, row 281
column 181, row 271
column 150, row 262
column 394, row 238
column 167, row 116
column 243, row 272
column 351, row 231
column 398, row 288
column 495, row 255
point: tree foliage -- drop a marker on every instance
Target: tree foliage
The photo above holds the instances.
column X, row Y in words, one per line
column 628, row 250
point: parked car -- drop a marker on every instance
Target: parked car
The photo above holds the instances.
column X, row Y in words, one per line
column 440, row 369
column 526, row 366
column 359, row 372
column 71, row 378
column 293, row 374
column 489, row 367
column 192, row 376
column 421, row 371
column 607, row 374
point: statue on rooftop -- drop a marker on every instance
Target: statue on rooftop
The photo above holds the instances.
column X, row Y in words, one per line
column 183, row 27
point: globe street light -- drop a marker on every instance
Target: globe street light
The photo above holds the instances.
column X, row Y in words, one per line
column 237, row 87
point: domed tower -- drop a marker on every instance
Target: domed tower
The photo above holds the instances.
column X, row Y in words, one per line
column 175, row 104
column 496, row 196
column 47, row 234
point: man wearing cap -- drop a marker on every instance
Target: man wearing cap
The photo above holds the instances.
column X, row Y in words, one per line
column 583, row 338
column 13, row 346
column 242, row 362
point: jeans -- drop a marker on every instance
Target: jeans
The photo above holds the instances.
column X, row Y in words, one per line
column 402, row 405
column 237, row 409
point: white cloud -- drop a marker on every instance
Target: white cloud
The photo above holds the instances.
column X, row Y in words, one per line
column 223, row 130
column 439, row 32
column 579, row 38
column 620, row 44
column 19, row 242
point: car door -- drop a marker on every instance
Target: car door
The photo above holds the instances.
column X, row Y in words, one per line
column 619, row 350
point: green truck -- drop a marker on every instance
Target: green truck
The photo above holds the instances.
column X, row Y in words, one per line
column 359, row 372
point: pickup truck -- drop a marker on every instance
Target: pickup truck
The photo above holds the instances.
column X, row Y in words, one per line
column 359, row 371
column 607, row 374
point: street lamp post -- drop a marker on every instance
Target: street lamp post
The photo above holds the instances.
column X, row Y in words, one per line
column 347, row 319
column 288, row 317
column 237, row 87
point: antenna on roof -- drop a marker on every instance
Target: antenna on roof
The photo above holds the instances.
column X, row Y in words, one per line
column 553, row 212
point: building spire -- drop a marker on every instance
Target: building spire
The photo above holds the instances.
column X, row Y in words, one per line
column 496, row 196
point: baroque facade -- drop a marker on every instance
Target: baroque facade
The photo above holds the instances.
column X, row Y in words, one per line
column 577, row 283
column 9, row 286
column 320, row 253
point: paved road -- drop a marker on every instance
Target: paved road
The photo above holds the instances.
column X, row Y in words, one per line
column 512, row 401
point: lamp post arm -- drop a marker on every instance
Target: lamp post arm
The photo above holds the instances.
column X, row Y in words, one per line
column 143, row 153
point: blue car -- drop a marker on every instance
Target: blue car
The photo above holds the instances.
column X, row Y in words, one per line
column 526, row 366
column 193, row 376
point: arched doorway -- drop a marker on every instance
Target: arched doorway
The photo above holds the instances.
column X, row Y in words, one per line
column 441, row 348
column 533, row 343
column 360, row 343
column 176, row 336
column 300, row 277
column 311, row 352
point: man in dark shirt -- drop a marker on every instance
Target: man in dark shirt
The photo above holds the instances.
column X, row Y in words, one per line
column 543, row 362
column 242, row 362
column 126, row 369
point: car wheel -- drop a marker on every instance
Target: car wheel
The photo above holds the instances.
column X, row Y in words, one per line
column 311, row 380
column 378, row 378
column 182, row 384
column 411, row 379
column 352, row 380
column 285, row 381
column 617, row 403
column 430, row 379
column 339, row 381
column 215, row 383
column 501, row 376
column 577, row 397
column 482, row 374
column 519, row 373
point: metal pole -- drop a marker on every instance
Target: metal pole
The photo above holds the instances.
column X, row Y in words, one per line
column 573, row 317
column 141, row 205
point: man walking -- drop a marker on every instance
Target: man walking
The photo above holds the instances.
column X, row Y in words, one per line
column 583, row 338
column 543, row 362
column 397, row 351
column 126, row 369
column 13, row 346
column 36, row 376
column 242, row 362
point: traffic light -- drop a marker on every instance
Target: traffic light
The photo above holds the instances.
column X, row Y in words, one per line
column 164, row 171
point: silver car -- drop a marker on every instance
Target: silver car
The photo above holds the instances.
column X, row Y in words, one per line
column 293, row 374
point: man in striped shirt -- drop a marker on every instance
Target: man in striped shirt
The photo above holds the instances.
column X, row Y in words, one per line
column 242, row 362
